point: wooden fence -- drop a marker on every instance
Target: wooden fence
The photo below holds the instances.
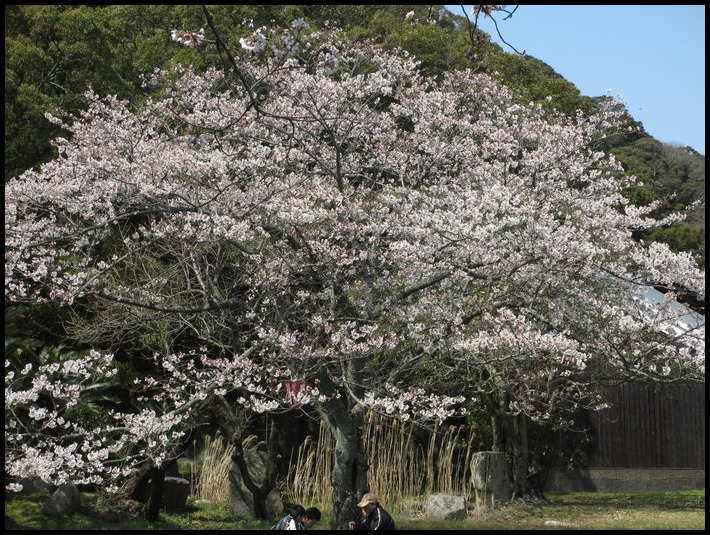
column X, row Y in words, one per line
column 650, row 427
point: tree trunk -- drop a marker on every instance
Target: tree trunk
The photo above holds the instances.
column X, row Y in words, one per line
column 519, row 453
column 518, row 443
column 511, row 436
column 136, row 488
column 157, row 478
column 349, row 476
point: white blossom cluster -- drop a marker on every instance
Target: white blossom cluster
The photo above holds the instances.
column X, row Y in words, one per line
column 417, row 403
column 189, row 39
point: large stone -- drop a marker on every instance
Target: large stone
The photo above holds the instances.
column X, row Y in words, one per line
column 242, row 500
column 33, row 484
column 446, row 507
column 491, row 480
column 64, row 501
column 175, row 492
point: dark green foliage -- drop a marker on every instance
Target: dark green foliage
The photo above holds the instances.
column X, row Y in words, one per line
column 682, row 237
column 25, row 345
column 534, row 80
column 676, row 177
column 54, row 53
column 553, row 448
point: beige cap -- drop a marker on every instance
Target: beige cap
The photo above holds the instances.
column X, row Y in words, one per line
column 368, row 498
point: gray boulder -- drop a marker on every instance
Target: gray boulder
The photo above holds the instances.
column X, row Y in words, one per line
column 490, row 478
column 64, row 501
column 33, row 484
column 242, row 500
column 446, row 507
column 175, row 492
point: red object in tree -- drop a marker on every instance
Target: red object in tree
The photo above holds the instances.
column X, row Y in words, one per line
column 293, row 387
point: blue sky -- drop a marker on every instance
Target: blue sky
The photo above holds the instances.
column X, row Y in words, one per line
column 652, row 56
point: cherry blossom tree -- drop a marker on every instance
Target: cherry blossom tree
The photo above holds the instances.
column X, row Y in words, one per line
column 322, row 212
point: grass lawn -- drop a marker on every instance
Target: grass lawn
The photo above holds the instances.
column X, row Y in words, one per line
column 581, row 510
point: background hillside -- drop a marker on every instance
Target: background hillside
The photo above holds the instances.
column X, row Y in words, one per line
column 53, row 53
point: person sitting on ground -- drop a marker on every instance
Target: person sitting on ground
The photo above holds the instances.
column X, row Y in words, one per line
column 373, row 515
column 293, row 518
column 310, row 517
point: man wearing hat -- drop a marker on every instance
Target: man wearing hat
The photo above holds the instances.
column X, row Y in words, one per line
column 373, row 515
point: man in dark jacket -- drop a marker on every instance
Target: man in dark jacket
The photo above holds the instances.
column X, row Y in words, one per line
column 373, row 515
